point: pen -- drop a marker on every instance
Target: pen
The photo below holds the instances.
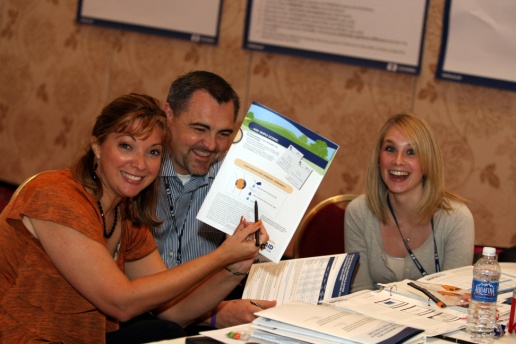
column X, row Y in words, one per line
column 451, row 339
column 254, row 303
column 257, row 233
column 427, row 293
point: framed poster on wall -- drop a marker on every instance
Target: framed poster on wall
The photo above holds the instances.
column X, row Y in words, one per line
column 373, row 33
column 193, row 20
column 479, row 43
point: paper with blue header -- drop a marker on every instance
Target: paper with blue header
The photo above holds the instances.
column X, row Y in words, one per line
column 278, row 163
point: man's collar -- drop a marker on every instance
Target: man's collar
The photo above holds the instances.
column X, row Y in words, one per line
column 168, row 170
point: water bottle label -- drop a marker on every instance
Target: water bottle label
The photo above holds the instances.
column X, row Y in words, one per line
column 484, row 291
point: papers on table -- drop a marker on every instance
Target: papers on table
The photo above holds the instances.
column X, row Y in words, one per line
column 399, row 303
column 453, row 287
column 255, row 334
column 367, row 317
column 462, row 277
column 450, row 295
column 403, row 311
column 331, row 324
column 306, row 279
column 276, row 162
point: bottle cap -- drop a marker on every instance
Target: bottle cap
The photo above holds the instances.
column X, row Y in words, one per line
column 489, row 251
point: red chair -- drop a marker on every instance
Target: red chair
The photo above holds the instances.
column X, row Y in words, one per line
column 321, row 231
column 6, row 192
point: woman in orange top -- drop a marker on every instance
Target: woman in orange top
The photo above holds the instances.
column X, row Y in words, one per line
column 76, row 253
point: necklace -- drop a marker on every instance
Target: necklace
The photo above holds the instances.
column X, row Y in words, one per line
column 409, row 250
column 108, row 235
column 406, row 238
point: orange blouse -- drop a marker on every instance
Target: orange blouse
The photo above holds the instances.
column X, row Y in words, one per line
column 36, row 302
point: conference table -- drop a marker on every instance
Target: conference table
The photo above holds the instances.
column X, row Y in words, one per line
column 509, row 273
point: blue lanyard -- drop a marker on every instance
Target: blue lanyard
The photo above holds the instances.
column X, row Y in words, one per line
column 174, row 218
column 409, row 250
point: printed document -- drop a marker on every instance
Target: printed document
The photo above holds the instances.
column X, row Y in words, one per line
column 402, row 310
column 306, row 279
column 453, row 287
column 276, row 162
column 331, row 324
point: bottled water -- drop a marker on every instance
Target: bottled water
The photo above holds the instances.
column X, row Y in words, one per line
column 481, row 319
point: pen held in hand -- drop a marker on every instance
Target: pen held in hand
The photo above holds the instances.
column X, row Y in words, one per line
column 254, row 303
column 257, row 233
column 429, row 294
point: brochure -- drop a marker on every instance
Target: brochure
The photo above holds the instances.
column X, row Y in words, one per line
column 305, row 279
column 276, row 162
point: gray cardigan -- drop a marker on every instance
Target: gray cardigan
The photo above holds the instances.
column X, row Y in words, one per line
column 454, row 235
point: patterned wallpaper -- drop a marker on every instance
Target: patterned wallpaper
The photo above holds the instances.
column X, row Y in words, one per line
column 56, row 75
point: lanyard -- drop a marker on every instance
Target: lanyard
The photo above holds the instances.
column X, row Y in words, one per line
column 409, row 250
column 174, row 219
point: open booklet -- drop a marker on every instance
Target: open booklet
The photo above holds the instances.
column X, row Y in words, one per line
column 400, row 303
column 453, row 287
column 276, row 162
column 388, row 306
column 305, row 279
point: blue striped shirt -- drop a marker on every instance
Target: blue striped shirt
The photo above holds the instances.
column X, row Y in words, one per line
column 197, row 238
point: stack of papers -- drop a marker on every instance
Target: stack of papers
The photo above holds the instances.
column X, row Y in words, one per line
column 386, row 316
column 327, row 324
column 300, row 323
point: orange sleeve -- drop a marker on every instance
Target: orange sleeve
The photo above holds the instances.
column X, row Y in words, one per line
column 55, row 196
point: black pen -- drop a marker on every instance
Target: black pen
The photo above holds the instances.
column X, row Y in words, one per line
column 451, row 339
column 429, row 294
column 257, row 233
column 254, row 303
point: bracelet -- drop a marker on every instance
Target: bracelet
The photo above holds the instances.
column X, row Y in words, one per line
column 237, row 273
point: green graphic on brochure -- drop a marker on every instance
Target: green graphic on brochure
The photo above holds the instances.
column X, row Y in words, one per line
column 318, row 147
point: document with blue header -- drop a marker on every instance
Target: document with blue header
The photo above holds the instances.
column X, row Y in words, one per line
column 309, row 280
column 279, row 164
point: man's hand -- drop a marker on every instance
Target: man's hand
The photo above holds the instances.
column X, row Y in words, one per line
column 237, row 312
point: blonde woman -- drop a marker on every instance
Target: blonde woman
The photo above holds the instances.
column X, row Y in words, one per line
column 407, row 225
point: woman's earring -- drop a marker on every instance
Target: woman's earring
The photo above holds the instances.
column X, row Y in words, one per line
column 94, row 176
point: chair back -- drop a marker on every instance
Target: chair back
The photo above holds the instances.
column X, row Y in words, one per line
column 17, row 191
column 321, row 231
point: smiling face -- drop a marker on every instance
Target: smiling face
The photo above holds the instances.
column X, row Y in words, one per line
column 128, row 164
column 200, row 135
column 400, row 166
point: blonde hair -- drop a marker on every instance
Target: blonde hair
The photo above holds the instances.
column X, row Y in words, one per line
column 422, row 138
